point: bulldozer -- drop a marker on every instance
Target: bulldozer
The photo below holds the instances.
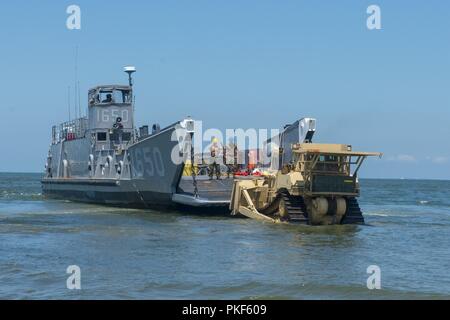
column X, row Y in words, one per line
column 307, row 183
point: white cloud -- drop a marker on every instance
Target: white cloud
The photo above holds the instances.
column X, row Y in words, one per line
column 439, row 159
column 402, row 158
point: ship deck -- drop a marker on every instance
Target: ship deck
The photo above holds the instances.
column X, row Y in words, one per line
column 214, row 190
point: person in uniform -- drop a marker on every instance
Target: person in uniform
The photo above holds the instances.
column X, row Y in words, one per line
column 108, row 98
column 230, row 158
column 214, row 166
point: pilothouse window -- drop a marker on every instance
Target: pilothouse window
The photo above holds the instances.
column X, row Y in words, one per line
column 106, row 96
column 101, row 136
column 122, row 96
column 126, row 136
column 115, row 96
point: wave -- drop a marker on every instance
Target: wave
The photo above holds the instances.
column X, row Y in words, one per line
column 255, row 290
column 376, row 214
column 6, row 195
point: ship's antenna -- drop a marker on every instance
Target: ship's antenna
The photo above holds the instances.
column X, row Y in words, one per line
column 68, row 99
column 76, row 81
column 79, row 100
column 130, row 70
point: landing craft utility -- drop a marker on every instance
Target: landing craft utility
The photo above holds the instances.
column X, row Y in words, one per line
column 103, row 158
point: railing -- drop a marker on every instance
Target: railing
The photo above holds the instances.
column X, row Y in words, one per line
column 70, row 130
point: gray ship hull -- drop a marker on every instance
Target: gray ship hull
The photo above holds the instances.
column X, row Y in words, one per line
column 111, row 192
column 212, row 195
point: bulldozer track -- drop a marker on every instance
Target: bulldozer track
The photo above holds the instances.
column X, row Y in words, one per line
column 297, row 212
column 295, row 207
column 353, row 214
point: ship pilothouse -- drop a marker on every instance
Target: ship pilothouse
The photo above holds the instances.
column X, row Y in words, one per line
column 106, row 133
column 111, row 128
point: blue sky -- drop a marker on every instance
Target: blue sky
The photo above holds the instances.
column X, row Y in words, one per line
column 240, row 64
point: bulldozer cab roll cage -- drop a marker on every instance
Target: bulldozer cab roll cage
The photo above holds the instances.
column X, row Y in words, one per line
column 325, row 168
column 331, row 164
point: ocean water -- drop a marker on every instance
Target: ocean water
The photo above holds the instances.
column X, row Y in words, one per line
column 145, row 254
